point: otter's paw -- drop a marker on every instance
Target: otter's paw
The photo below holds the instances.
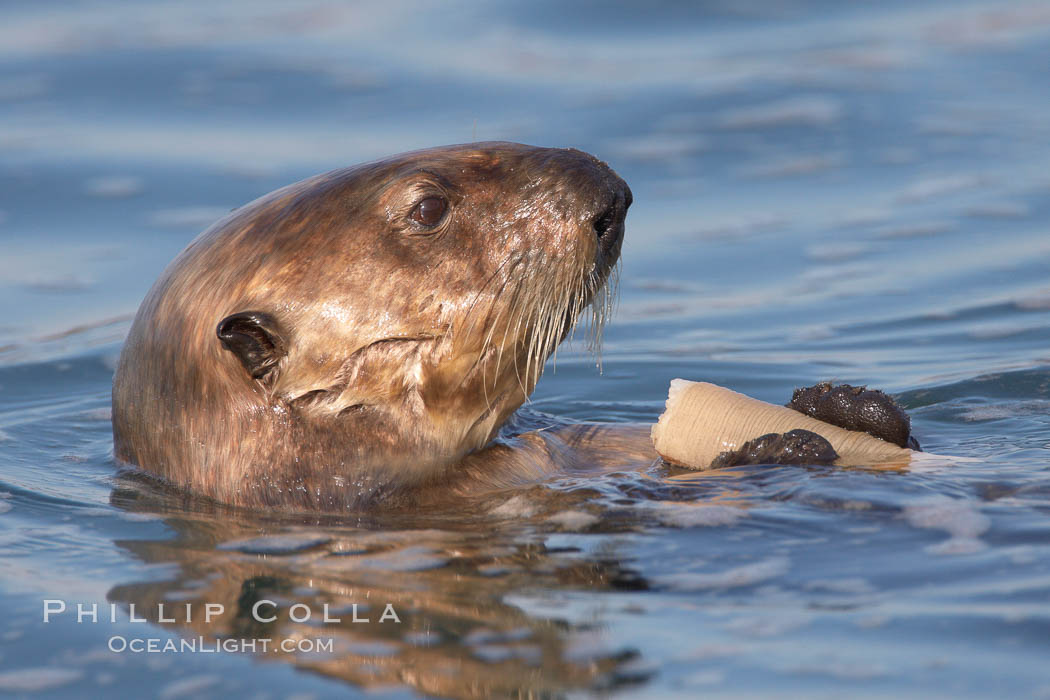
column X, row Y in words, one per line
column 792, row 447
column 856, row 408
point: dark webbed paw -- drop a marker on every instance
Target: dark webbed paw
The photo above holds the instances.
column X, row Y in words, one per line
column 792, row 447
column 856, row 408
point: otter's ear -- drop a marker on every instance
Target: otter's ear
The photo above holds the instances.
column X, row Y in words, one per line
column 255, row 338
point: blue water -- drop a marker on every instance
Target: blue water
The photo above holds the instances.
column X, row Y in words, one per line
column 822, row 191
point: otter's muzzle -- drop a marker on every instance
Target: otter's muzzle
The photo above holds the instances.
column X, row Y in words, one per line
column 591, row 187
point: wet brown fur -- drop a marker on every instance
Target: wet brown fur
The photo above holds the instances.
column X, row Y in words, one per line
column 405, row 349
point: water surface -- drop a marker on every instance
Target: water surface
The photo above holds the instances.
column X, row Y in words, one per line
column 822, row 191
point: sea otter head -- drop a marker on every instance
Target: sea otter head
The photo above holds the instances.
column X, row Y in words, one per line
column 368, row 327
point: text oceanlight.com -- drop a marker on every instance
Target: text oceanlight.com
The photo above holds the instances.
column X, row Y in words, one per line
column 200, row 645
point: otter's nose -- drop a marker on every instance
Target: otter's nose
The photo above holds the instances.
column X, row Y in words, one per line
column 590, row 192
column 609, row 223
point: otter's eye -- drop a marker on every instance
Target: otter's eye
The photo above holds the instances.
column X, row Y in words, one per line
column 429, row 211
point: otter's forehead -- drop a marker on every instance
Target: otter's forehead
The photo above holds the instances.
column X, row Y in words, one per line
column 482, row 155
column 477, row 168
column 464, row 162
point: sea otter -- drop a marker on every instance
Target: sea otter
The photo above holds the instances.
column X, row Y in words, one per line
column 359, row 337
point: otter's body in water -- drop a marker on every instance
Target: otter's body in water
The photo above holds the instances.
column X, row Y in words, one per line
column 361, row 336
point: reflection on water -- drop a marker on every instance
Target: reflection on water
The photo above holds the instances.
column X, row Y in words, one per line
column 822, row 191
column 423, row 600
column 425, row 608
